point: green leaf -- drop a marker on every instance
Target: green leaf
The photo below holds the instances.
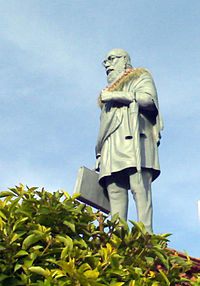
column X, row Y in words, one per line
column 138, row 270
column 6, row 194
column 139, row 226
column 161, row 256
column 91, row 274
column 66, row 194
column 13, row 204
column 84, row 267
column 57, row 273
column 114, row 262
column 31, row 239
column 120, row 284
column 75, row 196
column 3, row 277
column 21, row 253
column 80, row 242
column 3, row 215
column 21, row 211
column 15, row 191
column 70, row 225
column 65, row 252
column 32, row 189
column 36, row 247
column 80, row 207
column 131, row 283
column 68, row 267
column 115, row 217
column 17, row 266
column 149, row 260
column 1, row 224
column 15, row 237
column 68, row 242
column 166, row 234
column 16, row 225
column 27, row 262
column 21, row 187
column 39, row 270
column 124, row 223
column 164, row 277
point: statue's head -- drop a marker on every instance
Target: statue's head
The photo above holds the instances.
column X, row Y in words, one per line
column 116, row 63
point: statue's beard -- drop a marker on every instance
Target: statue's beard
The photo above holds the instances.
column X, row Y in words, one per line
column 115, row 75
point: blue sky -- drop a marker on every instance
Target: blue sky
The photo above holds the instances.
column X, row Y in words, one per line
column 51, row 75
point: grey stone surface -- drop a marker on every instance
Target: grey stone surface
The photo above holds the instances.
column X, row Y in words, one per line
column 129, row 134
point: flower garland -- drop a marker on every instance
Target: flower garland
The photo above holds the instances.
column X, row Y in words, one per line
column 126, row 77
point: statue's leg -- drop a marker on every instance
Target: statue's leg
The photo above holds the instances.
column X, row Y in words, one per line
column 118, row 195
column 143, row 198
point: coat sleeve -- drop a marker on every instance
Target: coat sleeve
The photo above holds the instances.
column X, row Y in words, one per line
column 145, row 92
column 146, row 96
column 124, row 97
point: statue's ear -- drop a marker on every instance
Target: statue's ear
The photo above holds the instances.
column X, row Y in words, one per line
column 126, row 61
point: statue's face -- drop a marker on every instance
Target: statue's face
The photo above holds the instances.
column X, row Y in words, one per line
column 114, row 62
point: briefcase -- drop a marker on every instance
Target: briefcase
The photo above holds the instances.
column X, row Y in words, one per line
column 91, row 191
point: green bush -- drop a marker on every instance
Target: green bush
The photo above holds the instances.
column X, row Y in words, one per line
column 53, row 239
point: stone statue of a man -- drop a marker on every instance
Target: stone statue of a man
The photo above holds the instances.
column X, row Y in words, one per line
column 126, row 150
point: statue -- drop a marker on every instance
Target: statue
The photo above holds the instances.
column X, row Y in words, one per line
column 127, row 144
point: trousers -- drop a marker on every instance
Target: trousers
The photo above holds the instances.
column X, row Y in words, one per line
column 117, row 185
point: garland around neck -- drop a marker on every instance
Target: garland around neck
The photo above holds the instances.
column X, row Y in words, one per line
column 118, row 85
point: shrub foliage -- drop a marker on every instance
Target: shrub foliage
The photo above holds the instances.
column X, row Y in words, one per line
column 53, row 239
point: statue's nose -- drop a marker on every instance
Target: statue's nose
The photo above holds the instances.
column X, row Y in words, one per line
column 107, row 64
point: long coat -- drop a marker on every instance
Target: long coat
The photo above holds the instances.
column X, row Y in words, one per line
column 115, row 148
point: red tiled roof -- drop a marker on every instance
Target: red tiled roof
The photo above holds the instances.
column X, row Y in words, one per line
column 195, row 265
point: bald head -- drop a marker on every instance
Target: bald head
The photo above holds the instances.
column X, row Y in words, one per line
column 119, row 53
